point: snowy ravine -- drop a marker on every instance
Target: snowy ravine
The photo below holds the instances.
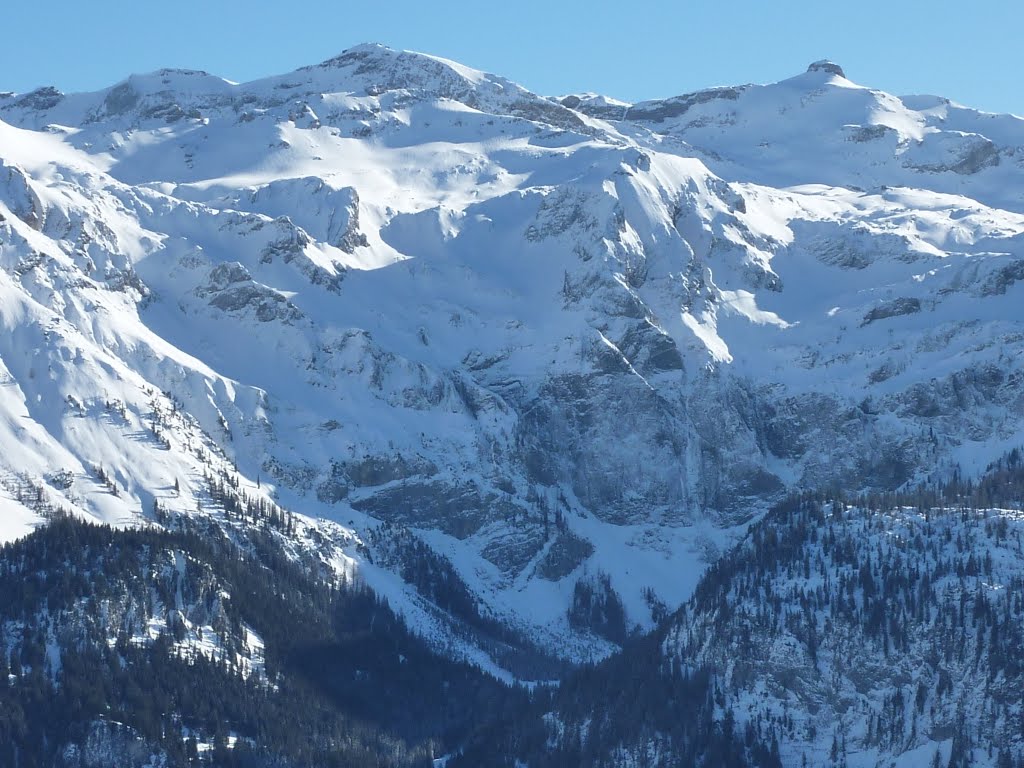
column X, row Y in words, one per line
column 551, row 338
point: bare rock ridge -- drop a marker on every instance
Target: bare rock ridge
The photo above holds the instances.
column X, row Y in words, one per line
column 824, row 65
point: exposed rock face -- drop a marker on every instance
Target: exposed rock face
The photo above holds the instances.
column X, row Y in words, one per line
column 660, row 111
column 40, row 99
column 21, row 198
column 827, row 66
column 232, row 289
column 894, row 308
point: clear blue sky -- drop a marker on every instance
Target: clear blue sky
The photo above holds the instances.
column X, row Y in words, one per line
column 631, row 50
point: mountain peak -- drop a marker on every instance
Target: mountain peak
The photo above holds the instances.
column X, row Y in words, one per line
column 392, row 68
column 361, row 51
column 354, row 54
column 824, row 65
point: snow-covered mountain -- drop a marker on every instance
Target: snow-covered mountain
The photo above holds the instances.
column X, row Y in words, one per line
column 559, row 341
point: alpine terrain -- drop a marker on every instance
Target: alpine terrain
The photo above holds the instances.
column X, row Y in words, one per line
column 386, row 413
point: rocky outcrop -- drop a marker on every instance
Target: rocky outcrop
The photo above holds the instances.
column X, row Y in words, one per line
column 894, row 308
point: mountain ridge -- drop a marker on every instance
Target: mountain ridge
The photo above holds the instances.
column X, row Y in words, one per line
column 534, row 377
column 546, row 342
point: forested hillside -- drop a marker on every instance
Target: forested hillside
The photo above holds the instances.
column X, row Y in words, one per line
column 858, row 630
column 131, row 647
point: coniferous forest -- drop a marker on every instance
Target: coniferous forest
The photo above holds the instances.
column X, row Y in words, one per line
column 343, row 682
